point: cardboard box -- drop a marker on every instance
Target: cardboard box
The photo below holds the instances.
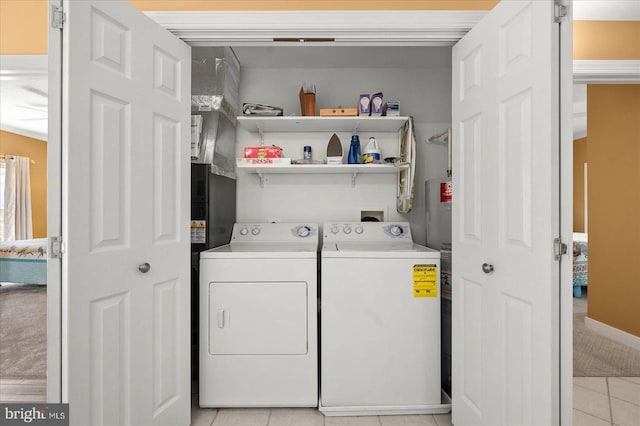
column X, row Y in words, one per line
column 391, row 109
column 273, row 161
column 364, row 105
column 377, row 103
column 346, row 112
column 307, row 103
column 262, row 152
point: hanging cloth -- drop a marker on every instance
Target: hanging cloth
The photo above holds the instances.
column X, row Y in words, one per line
column 17, row 198
column 406, row 177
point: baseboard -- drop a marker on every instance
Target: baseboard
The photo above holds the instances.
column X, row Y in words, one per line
column 612, row 333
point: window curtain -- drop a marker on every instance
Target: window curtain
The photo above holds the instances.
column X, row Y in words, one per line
column 17, row 199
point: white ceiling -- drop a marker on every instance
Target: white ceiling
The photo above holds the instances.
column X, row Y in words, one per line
column 23, row 79
column 23, row 95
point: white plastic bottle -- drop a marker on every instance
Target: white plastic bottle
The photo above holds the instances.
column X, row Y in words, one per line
column 371, row 153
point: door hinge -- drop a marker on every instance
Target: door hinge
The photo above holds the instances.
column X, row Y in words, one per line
column 559, row 11
column 56, row 248
column 58, row 17
column 559, row 248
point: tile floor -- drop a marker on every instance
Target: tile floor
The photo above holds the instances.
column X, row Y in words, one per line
column 597, row 401
column 606, row 401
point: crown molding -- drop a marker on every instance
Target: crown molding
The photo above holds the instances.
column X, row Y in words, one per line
column 606, row 72
column 254, row 28
column 23, row 67
column 24, row 132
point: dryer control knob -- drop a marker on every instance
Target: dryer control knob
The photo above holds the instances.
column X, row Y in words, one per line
column 359, row 229
column 244, row 231
column 303, row 231
column 255, row 231
column 335, row 229
column 346, row 229
column 396, row 230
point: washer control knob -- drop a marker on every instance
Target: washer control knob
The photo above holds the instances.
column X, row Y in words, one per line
column 359, row 229
column 396, row 230
column 335, row 229
column 244, row 231
column 255, row 231
column 303, row 231
column 346, row 229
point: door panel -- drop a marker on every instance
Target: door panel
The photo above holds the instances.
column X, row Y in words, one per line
column 110, row 361
column 505, row 320
column 166, row 168
column 166, row 345
column 125, row 203
column 260, row 318
column 109, row 181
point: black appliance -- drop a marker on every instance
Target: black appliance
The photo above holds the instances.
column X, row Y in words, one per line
column 213, row 213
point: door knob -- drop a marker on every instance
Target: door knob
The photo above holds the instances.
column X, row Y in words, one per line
column 144, row 267
column 487, row 268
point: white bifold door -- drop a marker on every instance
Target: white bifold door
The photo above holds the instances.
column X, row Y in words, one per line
column 126, row 168
column 506, row 109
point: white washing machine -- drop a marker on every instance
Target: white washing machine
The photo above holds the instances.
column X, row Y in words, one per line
column 258, row 318
column 380, row 322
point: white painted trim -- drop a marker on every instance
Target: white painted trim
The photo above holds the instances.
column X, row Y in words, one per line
column 607, row 72
column 612, row 333
column 373, row 27
column 606, row 10
column 54, row 213
column 23, row 67
column 24, row 132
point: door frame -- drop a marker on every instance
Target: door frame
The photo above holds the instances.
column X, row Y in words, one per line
column 408, row 28
column 54, row 210
column 398, row 28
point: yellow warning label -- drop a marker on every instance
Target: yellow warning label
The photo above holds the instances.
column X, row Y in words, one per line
column 425, row 281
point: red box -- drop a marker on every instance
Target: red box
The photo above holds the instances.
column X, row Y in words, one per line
column 262, row 152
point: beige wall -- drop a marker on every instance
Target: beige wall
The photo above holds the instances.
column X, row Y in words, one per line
column 612, row 40
column 10, row 143
column 579, row 158
column 23, row 27
column 613, row 122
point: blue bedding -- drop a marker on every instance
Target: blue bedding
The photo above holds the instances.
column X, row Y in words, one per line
column 580, row 263
column 24, row 261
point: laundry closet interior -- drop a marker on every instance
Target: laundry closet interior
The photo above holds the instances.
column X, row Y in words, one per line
column 418, row 77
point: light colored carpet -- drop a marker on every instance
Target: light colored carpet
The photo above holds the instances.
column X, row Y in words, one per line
column 595, row 355
column 23, row 331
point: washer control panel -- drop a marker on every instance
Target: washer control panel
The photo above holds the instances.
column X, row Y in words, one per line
column 274, row 232
column 366, row 231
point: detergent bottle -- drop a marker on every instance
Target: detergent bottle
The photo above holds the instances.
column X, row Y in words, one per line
column 371, row 153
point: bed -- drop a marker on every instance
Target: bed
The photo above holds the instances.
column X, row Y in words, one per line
column 24, row 261
column 580, row 262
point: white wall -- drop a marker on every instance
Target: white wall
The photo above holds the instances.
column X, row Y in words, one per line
column 424, row 93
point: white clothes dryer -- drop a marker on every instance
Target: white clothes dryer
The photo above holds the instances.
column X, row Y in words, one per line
column 380, row 322
column 258, row 318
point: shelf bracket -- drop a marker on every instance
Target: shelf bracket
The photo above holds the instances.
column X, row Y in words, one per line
column 353, row 179
column 262, row 179
column 261, row 133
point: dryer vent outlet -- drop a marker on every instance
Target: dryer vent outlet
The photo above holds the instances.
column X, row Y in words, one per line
column 371, row 216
